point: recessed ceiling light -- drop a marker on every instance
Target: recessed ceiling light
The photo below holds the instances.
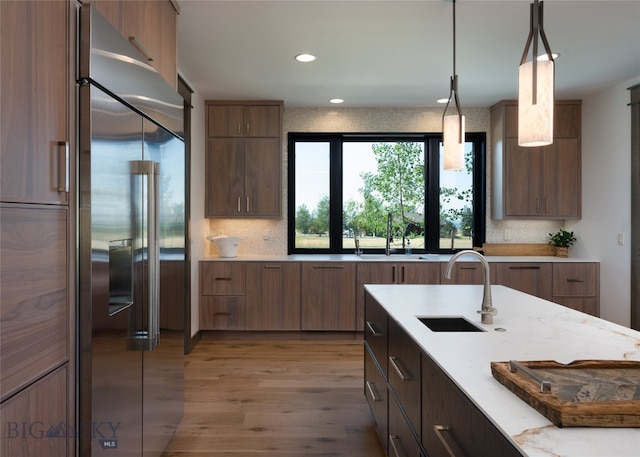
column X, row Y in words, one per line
column 442, row 100
column 305, row 57
column 546, row 57
column 336, row 100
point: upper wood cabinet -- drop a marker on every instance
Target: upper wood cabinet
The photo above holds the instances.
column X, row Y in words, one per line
column 243, row 159
column 151, row 27
column 37, row 77
column 542, row 182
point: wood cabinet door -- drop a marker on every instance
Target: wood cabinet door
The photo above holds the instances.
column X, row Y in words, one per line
column 262, row 121
column 328, row 296
column 376, row 332
column 371, row 273
column 273, row 296
column 561, row 179
column 531, row 278
column 28, row 416
column 521, row 179
column 224, row 169
column 464, row 273
column 141, row 26
column 34, row 298
column 262, row 177
column 401, row 441
column 168, row 62
column 35, row 57
column 418, row 273
column 225, row 121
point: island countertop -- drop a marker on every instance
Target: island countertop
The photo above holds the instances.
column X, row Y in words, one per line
column 526, row 328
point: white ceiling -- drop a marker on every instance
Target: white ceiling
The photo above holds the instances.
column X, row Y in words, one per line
column 398, row 53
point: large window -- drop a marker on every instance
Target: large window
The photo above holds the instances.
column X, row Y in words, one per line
column 348, row 187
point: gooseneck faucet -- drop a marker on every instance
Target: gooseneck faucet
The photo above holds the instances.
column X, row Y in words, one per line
column 387, row 250
column 487, row 310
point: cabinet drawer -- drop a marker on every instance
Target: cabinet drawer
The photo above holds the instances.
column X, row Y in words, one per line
column 222, row 278
column 375, row 332
column 375, row 391
column 222, row 313
column 575, row 279
column 402, row 441
column 450, row 418
column 403, row 372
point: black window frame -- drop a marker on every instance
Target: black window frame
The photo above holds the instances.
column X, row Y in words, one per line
column 432, row 191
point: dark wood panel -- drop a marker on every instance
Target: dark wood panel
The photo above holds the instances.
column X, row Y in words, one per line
column 403, row 372
column 35, row 421
column 262, row 177
column 34, row 301
column 328, row 296
column 222, row 313
column 172, row 294
column 222, row 278
column 34, row 113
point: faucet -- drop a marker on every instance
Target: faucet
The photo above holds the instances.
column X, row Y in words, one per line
column 487, row 310
column 357, row 243
column 387, row 250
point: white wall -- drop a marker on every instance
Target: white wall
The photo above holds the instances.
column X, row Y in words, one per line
column 606, row 197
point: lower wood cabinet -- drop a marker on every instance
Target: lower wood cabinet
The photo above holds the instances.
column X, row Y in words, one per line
column 34, row 300
column 35, row 421
column 534, row 278
column 452, row 424
column 375, row 391
column 273, row 296
column 328, row 296
column 577, row 286
column 402, row 441
column 222, row 313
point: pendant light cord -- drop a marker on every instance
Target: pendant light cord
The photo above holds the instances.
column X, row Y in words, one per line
column 453, row 87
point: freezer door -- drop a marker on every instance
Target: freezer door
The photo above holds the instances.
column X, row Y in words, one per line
column 163, row 368
column 116, row 371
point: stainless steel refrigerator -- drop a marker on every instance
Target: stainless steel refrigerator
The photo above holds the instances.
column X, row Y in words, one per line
column 131, row 213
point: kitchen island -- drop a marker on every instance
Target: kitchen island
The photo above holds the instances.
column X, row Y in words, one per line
column 526, row 328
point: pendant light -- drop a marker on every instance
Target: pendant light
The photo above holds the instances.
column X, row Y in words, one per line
column 453, row 124
column 536, row 87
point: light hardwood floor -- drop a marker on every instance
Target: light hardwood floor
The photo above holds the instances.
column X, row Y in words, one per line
column 275, row 398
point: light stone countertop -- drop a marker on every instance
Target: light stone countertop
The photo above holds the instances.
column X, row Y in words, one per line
column 535, row 330
column 391, row 258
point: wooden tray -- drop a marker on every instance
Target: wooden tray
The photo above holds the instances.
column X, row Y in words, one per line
column 517, row 249
column 584, row 393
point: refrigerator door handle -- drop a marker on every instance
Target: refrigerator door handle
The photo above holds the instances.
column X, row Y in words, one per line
column 148, row 338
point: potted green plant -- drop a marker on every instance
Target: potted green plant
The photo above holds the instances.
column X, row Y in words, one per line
column 562, row 240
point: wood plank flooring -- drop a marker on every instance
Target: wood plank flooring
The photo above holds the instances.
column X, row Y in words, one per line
column 286, row 398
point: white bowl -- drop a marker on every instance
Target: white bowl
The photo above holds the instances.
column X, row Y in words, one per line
column 227, row 245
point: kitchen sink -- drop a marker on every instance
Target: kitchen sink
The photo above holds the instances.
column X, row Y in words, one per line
column 449, row 324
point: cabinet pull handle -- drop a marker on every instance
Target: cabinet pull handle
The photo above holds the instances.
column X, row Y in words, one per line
column 374, row 332
column 402, row 275
column 328, row 267
column 248, row 210
column 141, row 49
column 574, row 280
column 438, row 429
column 392, row 442
column 468, row 268
column 63, row 166
column 372, row 392
column 222, row 314
column 248, row 128
column 223, row 279
column 239, row 128
column 273, row 266
column 395, row 366
column 528, row 267
column 239, row 208
column 393, row 274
